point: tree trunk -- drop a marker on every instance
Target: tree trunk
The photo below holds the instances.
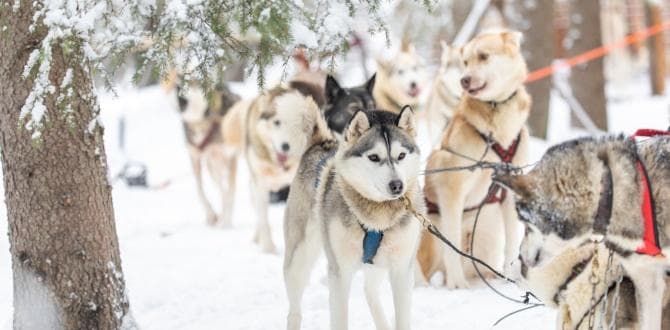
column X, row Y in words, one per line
column 65, row 253
column 536, row 24
column 588, row 80
column 654, row 16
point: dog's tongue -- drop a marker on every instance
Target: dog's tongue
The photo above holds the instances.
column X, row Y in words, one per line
column 282, row 158
column 414, row 92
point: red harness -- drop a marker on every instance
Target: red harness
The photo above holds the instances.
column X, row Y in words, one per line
column 496, row 194
column 650, row 244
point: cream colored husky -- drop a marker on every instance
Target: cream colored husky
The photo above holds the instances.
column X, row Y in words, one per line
column 400, row 80
column 489, row 124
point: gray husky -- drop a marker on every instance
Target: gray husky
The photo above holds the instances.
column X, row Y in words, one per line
column 595, row 190
column 348, row 198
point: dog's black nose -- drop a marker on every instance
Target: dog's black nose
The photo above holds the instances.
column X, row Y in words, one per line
column 285, row 147
column 412, row 85
column 396, row 187
column 465, row 82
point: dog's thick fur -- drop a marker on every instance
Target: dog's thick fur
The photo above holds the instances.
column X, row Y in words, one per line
column 400, row 80
column 445, row 94
column 201, row 118
column 497, row 105
column 559, row 199
column 276, row 130
column 338, row 191
column 343, row 102
column 565, row 282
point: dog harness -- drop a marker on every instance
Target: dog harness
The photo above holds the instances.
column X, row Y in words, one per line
column 496, row 193
column 211, row 133
column 650, row 245
column 371, row 243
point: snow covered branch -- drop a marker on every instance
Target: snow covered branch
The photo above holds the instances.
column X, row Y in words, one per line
column 198, row 38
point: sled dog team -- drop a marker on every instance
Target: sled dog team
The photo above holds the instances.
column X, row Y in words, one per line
column 351, row 159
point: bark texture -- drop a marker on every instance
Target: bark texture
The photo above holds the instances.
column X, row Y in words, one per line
column 59, row 204
column 588, row 80
column 534, row 20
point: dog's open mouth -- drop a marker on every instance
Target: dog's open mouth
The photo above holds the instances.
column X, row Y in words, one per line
column 414, row 92
column 474, row 91
column 282, row 158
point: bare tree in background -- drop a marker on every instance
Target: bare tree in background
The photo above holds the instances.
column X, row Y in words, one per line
column 65, row 254
column 588, row 80
column 534, row 19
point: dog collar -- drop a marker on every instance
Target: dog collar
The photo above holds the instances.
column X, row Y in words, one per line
column 495, row 104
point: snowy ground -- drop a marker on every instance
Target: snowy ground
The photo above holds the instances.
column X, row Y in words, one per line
column 182, row 274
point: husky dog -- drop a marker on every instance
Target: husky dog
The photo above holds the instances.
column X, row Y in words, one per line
column 350, row 199
column 201, row 117
column 273, row 131
column 489, row 124
column 445, row 93
column 565, row 282
column 596, row 190
column 400, row 80
column 342, row 103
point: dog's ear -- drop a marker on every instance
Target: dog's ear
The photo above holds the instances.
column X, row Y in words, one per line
column 358, row 125
column 406, row 121
column 446, row 50
column 384, row 65
column 333, row 89
column 512, row 38
column 407, row 47
column 370, row 85
column 522, row 185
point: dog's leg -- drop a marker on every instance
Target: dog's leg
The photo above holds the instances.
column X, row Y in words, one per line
column 196, row 164
column 419, row 279
column 401, row 285
column 299, row 259
column 339, row 285
column 229, row 191
column 261, row 200
column 512, row 234
column 373, row 279
column 649, row 280
column 451, row 225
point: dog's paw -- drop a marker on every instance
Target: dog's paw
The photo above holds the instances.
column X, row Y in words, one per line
column 211, row 219
column 225, row 221
column 420, row 282
column 457, row 282
column 269, row 248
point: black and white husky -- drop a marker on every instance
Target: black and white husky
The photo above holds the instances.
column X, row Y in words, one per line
column 348, row 198
column 343, row 102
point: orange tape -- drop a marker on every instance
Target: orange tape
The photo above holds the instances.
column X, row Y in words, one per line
column 597, row 52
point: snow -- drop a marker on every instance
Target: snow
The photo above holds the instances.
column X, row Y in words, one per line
column 181, row 274
column 303, row 36
column 35, row 298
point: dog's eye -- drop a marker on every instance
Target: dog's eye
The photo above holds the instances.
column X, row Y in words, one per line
column 465, row 63
column 402, row 156
column 373, row 158
column 401, row 72
column 277, row 123
column 483, row 56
